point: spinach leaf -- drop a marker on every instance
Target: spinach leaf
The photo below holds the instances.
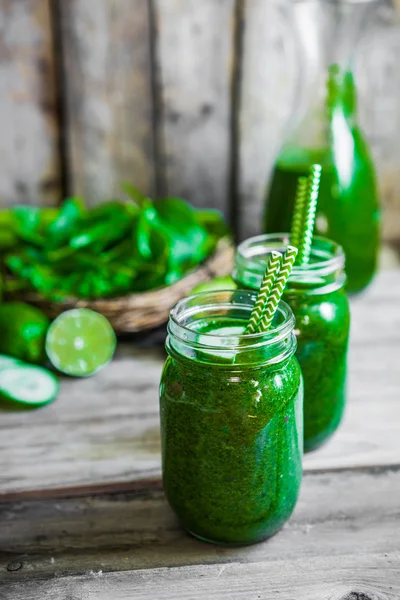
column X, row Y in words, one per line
column 8, row 239
column 112, row 209
column 27, row 222
column 102, row 233
column 187, row 240
column 66, row 223
column 109, row 250
column 213, row 222
column 134, row 193
column 146, row 223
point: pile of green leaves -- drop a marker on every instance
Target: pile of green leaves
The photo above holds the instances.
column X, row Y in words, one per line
column 108, row 250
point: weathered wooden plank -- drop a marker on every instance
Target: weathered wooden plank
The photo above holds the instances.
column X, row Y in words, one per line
column 381, row 115
column 271, row 66
column 101, row 429
column 30, row 170
column 351, row 514
column 334, row 578
column 106, row 48
column 195, row 54
column 268, row 80
column 105, row 429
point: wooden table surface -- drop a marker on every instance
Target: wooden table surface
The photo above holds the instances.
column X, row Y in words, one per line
column 83, row 515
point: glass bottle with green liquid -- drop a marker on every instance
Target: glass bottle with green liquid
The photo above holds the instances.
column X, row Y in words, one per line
column 327, row 132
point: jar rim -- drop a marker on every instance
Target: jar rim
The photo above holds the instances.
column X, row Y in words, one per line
column 333, row 260
column 267, row 347
column 274, row 332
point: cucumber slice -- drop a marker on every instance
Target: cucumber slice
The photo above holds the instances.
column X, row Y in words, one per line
column 28, row 385
column 8, row 361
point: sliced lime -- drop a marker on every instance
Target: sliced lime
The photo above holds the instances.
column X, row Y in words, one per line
column 28, row 385
column 80, row 342
column 219, row 283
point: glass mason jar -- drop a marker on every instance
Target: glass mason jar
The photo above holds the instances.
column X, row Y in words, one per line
column 320, row 305
column 231, row 419
column 324, row 129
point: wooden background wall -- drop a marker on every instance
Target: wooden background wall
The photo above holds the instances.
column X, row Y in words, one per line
column 182, row 97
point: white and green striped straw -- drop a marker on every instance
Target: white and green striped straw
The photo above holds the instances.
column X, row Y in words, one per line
column 271, row 272
column 276, row 292
column 307, row 230
column 299, row 211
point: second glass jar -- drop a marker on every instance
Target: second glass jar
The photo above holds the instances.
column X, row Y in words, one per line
column 315, row 293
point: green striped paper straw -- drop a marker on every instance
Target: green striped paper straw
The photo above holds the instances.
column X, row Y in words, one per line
column 306, row 236
column 271, row 271
column 279, row 285
column 299, row 211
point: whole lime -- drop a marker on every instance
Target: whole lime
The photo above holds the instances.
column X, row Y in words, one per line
column 23, row 331
column 216, row 284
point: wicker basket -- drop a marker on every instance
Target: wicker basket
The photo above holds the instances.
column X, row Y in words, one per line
column 145, row 310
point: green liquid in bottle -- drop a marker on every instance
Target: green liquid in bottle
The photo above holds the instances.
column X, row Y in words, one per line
column 348, row 207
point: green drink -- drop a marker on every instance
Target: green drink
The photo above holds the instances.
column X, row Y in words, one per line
column 326, row 131
column 231, row 419
column 347, row 206
column 315, row 294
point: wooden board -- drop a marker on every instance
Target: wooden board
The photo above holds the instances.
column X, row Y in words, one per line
column 381, row 115
column 101, row 429
column 147, row 91
column 105, row 429
column 29, row 159
column 338, row 578
column 342, row 539
column 107, row 91
column 194, row 48
column 268, row 84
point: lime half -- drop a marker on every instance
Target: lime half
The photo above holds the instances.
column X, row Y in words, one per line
column 80, row 342
column 27, row 385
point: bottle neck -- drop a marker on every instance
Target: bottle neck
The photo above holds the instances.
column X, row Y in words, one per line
column 327, row 33
column 322, row 275
column 209, row 329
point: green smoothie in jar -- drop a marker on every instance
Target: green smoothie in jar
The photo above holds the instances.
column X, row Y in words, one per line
column 320, row 305
column 231, row 419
